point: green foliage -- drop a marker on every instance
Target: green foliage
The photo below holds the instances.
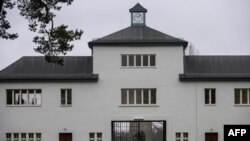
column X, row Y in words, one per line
column 52, row 40
column 4, row 24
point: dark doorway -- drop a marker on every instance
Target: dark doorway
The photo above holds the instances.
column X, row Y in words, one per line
column 65, row 136
column 138, row 130
column 211, row 136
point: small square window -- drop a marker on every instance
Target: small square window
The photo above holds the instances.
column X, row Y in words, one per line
column 95, row 136
column 99, row 135
column 91, row 135
column 181, row 136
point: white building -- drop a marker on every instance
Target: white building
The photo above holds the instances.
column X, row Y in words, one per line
column 137, row 86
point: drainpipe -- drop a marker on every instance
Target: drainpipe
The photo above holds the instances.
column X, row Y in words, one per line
column 196, row 111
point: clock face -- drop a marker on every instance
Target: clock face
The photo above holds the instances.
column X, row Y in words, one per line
column 138, row 18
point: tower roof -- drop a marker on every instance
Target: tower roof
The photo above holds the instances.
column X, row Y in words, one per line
column 138, row 8
column 138, row 36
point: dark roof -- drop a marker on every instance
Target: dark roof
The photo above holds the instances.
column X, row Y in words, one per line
column 35, row 68
column 216, row 68
column 138, row 8
column 137, row 35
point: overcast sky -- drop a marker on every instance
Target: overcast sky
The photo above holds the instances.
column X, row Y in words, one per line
column 214, row 27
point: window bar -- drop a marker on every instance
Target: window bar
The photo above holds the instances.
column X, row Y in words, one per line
column 149, row 96
column 35, row 103
column 135, row 97
column 127, row 60
column 127, row 91
column 142, row 93
column 28, row 99
column 34, row 135
column 134, row 60
column 142, row 96
column 66, row 97
column 248, row 97
column 141, row 60
column 13, row 97
column 148, row 60
column 19, row 98
column 210, row 96
column 241, row 100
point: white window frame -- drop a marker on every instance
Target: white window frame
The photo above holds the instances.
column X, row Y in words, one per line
column 29, row 103
column 142, row 97
column 241, row 96
column 210, row 96
column 134, row 57
column 66, row 97
column 182, row 137
column 20, row 138
column 95, row 138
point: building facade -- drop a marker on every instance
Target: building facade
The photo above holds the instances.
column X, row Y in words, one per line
column 138, row 85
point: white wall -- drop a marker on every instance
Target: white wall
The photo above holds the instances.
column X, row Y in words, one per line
column 96, row 104
column 174, row 105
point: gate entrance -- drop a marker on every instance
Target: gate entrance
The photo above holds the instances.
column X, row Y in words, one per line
column 138, row 130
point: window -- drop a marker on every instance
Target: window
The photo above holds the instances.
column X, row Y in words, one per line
column 181, row 136
column 138, row 96
column 38, row 137
column 210, row 97
column 8, row 137
column 23, row 137
column 24, row 97
column 242, row 96
column 95, row 136
column 138, row 60
column 31, row 137
column 66, row 97
column 16, row 137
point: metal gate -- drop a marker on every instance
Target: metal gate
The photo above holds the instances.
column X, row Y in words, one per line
column 138, row 130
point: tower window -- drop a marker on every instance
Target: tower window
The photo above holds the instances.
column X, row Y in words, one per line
column 138, row 60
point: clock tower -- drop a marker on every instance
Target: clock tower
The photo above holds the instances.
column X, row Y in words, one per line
column 138, row 15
